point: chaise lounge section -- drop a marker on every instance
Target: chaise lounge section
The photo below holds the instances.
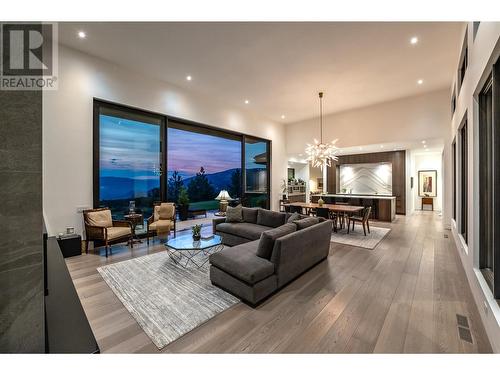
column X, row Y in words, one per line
column 255, row 268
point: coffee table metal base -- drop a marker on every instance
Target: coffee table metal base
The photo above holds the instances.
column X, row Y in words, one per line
column 185, row 257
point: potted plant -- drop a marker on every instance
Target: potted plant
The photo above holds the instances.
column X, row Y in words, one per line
column 196, row 230
column 183, row 204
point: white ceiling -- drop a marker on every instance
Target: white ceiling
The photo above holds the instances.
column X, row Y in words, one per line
column 280, row 67
column 417, row 147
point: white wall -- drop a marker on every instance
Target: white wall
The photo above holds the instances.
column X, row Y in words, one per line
column 426, row 161
column 483, row 52
column 404, row 120
column 67, row 128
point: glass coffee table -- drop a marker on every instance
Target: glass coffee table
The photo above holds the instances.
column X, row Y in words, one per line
column 183, row 250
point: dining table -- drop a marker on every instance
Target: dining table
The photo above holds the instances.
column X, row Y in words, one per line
column 337, row 208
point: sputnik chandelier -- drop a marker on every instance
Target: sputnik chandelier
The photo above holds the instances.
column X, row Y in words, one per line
column 321, row 154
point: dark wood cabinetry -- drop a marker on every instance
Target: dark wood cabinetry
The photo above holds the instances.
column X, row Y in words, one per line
column 398, row 160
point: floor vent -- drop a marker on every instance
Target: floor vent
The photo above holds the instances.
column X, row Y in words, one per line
column 463, row 328
column 464, row 334
column 462, row 321
column 445, row 236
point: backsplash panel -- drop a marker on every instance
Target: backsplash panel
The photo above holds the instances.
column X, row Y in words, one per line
column 369, row 178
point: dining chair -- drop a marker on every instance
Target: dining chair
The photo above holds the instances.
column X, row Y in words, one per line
column 297, row 209
column 364, row 220
column 323, row 212
column 342, row 216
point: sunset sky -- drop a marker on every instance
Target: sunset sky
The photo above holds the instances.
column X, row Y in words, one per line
column 130, row 149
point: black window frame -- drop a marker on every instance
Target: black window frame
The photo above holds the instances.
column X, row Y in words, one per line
column 463, row 226
column 454, row 176
column 464, row 62
column 166, row 121
column 134, row 113
column 489, row 180
column 486, row 187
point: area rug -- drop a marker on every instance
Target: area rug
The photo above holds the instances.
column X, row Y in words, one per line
column 358, row 239
column 167, row 300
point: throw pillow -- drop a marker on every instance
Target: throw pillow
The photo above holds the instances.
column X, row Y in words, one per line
column 269, row 218
column 267, row 238
column 293, row 217
column 234, row 214
column 305, row 223
column 250, row 215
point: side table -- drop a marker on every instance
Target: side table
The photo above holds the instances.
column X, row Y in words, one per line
column 134, row 220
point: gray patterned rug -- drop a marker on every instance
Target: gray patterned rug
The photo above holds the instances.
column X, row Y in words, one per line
column 167, row 300
column 357, row 238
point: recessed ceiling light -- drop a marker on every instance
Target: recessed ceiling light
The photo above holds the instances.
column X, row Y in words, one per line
column 414, row 40
column 189, row 78
column 381, row 146
column 82, row 35
column 420, row 81
column 425, row 146
column 423, row 142
column 247, row 101
column 361, row 148
column 283, row 116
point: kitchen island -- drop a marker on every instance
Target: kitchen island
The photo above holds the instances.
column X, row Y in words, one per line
column 383, row 206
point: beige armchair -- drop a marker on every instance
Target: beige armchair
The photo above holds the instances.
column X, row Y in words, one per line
column 99, row 226
column 162, row 220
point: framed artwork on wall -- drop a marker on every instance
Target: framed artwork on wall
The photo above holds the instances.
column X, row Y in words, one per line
column 427, row 183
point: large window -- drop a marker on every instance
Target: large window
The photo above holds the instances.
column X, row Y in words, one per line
column 257, row 155
column 141, row 158
column 489, row 181
column 129, row 160
column 203, row 162
column 464, row 177
column 486, row 182
column 454, row 177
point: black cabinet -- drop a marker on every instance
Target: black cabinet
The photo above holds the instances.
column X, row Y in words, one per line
column 67, row 329
column 71, row 245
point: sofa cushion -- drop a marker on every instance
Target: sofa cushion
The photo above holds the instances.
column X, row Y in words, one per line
column 268, row 237
column 293, row 217
column 234, row 214
column 270, row 218
column 100, row 219
column 242, row 263
column 161, row 225
column 246, row 230
column 307, row 222
column 117, row 232
column 250, row 215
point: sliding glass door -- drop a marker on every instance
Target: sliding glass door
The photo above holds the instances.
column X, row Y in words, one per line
column 202, row 161
column 257, row 161
column 143, row 158
column 129, row 160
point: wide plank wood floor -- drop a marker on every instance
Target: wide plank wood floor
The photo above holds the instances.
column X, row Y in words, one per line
column 402, row 297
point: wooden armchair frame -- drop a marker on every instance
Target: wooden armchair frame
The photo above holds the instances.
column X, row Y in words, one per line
column 95, row 233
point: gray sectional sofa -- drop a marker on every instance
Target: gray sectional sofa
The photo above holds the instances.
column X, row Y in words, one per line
column 268, row 250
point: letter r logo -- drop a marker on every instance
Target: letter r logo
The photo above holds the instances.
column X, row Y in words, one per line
column 27, row 49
